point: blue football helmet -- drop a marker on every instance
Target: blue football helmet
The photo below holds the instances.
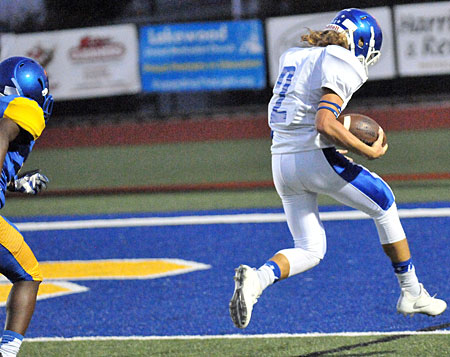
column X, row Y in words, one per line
column 26, row 77
column 363, row 34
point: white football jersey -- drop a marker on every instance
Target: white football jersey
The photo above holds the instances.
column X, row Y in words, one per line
column 304, row 72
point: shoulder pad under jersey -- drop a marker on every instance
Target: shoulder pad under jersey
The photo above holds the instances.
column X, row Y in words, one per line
column 24, row 112
column 342, row 72
column 343, row 56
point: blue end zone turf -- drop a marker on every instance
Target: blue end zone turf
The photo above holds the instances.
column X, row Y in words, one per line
column 353, row 289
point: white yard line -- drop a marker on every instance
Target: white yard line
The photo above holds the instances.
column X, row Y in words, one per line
column 214, row 219
column 210, row 337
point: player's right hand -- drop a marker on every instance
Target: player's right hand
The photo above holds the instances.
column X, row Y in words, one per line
column 377, row 147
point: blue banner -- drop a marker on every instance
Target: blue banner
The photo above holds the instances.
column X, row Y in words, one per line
column 202, row 56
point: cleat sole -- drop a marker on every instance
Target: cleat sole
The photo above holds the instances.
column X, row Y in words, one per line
column 238, row 311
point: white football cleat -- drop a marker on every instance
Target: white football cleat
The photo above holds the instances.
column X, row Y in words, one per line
column 247, row 290
column 422, row 304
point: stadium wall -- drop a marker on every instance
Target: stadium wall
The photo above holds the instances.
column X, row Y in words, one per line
column 233, row 127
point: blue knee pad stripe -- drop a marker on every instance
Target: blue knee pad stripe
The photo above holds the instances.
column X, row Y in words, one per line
column 373, row 187
column 11, row 268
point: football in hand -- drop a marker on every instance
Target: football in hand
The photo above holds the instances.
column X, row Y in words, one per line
column 362, row 126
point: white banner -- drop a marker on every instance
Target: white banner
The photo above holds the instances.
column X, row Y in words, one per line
column 285, row 32
column 423, row 38
column 82, row 63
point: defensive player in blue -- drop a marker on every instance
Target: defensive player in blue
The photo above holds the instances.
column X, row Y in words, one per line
column 25, row 105
column 315, row 83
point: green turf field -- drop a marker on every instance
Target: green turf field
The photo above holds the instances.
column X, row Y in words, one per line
column 166, row 202
column 205, row 162
column 396, row 345
column 216, row 161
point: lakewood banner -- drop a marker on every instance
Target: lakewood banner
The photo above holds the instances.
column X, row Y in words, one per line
column 202, row 56
column 82, row 63
column 285, row 32
column 423, row 38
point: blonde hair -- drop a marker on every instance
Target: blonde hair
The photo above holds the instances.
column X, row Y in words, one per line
column 325, row 38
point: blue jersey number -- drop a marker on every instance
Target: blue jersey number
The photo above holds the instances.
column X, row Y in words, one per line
column 284, row 81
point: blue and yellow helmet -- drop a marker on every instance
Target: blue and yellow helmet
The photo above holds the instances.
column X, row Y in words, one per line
column 26, row 77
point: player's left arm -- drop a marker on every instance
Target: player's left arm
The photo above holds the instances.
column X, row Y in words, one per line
column 29, row 182
column 9, row 130
column 342, row 76
column 28, row 116
column 327, row 125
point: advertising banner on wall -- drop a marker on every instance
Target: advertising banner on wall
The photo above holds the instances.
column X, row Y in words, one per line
column 285, row 32
column 82, row 63
column 202, row 56
column 423, row 38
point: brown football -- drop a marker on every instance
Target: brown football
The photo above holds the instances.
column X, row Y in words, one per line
column 362, row 126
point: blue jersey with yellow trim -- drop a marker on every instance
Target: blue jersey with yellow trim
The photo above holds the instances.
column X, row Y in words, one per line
column 28, row 115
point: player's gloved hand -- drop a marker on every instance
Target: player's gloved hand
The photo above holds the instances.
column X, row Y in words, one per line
column 31, row 182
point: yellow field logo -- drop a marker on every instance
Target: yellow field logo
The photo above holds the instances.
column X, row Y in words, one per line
column 59, row 274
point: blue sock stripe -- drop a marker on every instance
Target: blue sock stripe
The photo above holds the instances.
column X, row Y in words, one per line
column 403, row 267
column 275, row 268
column 9, row 336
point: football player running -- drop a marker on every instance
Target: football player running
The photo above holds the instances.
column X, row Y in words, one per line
column 315, row 83
column 25, row 105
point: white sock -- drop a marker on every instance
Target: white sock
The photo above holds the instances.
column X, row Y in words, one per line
column 10, row 344
column 266, row 276
column 409, row 282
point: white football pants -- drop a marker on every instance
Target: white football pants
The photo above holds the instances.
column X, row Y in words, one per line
column 300, row 177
